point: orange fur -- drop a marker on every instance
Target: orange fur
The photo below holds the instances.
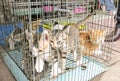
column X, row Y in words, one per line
column 86, row 44
column 88, row 41
column 96, row 34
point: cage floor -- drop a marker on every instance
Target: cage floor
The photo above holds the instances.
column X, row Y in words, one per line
column 93, row 69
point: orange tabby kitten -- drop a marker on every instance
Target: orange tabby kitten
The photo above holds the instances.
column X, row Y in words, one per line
column 91, row 41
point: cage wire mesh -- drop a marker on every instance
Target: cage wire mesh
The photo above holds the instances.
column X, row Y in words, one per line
column 60, row 40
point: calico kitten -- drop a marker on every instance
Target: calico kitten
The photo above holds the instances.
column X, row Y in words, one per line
column 47, row 51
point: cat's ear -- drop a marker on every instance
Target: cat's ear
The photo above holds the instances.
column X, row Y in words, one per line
column 66, row 26
column 45, row 35
column 89, row 32
column 53, row 43
column 66, row 29
column 54, row 22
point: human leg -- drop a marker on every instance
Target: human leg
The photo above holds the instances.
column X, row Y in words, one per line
column 102, row 3
column 110, row 7
column 114, row 36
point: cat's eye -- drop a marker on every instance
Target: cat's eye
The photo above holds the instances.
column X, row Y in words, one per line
column 58, row 41
column 88, row 37
column 40, row 50
column 51, row 41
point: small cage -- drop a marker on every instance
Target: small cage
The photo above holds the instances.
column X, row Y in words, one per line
column 55, row 40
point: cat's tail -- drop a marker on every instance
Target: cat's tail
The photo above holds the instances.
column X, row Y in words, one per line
column 86, row 19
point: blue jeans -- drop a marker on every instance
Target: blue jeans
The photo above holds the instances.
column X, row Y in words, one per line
column 109, row 4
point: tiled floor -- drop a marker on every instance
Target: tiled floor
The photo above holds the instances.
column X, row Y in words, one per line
column 113, row 74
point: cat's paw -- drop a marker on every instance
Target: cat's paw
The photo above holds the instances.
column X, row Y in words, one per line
column 62, row 72
column 79, row 61
column 53, row 77
column 83, row 67
column 98, row 52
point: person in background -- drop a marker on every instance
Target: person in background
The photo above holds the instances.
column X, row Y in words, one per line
column 115, row 35
column 108, row 5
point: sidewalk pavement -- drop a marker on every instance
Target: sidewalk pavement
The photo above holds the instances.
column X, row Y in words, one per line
column 5, row 74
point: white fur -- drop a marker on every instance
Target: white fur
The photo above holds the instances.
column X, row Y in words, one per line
column 39, row 64
column 35, row 51
column 100, row 42
column 11, row 44
column 58, row 26
column 55, row 70
column 40, row 58
column 45, row 55
column 79, row 61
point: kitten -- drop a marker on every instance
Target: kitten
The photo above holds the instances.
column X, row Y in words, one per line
column 67, row 38
column 86, row 45
column 18, row 33
column 46, row 51
column 42, row 52
column 16, row 36
column 72, row 33
column 91, row 41
column 60, row 36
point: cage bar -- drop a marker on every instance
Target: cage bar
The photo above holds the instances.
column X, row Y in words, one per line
column 55, row 40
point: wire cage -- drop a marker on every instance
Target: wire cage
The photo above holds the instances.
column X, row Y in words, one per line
column 55, row 40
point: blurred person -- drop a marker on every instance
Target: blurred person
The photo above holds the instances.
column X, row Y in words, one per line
column 115, row 35
column 108, row 5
